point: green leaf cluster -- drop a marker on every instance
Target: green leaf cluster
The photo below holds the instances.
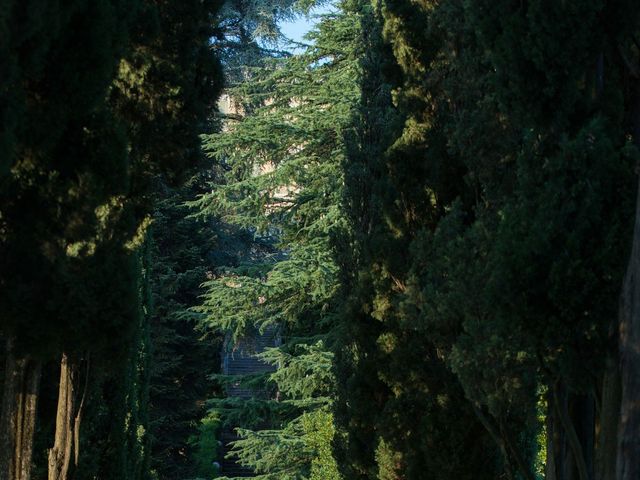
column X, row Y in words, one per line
column 283, row 158
column 488, row 230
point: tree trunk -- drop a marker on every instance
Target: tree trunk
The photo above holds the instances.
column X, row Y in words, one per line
column 570, row 435
column 18, row 418
column 507, row 446
column 628, row 459
column 67, row 422
column 551, row 468
column 607, row 436
column 583, row 415
column 560, row 463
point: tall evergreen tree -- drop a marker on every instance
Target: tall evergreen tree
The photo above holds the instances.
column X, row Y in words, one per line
column 505, row 206
column 548, row 245
column 62, row 165
column 184, row 253
column 93, row 130
column 404, row 413
column 286, row 189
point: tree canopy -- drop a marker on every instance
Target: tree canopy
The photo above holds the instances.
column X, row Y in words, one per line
column 405, row 248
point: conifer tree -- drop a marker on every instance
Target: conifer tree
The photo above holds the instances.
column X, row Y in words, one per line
column 284, row 184
column 404, row 413
column 75, row 200
column 506, row 203
column 184, row 253
column 165, row 94
column 548, row 239
column 64, row 143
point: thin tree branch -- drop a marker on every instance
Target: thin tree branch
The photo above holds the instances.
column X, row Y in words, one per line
column 493, row 432
column 572, row 436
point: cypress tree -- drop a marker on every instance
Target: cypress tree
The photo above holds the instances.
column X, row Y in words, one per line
column 64, row 141
column 74, row 201
column 551, row 241
column 404, row 413
column 165, row 93
column 504, row 211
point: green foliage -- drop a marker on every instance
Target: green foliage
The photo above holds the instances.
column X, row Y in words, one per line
column 208, row 450
column 491, row 238
column 283, row 158
column 404, row 415
column 101, row 99
column 319, row 432
column 300, row 450
column 430, row 205
column 63, row 168
column 299, row 442
column 250, row 33
column 182, row 360
column 259, row 19
column 286, row 185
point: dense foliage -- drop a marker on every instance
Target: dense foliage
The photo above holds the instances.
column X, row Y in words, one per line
column 286, row 190
column 102, row 99
column 425, row 211
column 493, row 245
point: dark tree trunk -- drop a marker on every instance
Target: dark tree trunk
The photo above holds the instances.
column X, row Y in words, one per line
column 551, row 467
column 583, row 414
column 505, row 442
column 559, row 460
column 628, row 461
column 570, row 435
column 607, row 434
column 18, row 417
column 628, row 458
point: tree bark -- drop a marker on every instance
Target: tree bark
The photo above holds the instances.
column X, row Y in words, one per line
column 571, row 429
column 561, row 400
column 78, row 419
column 523, row 468
column 560, row 462
column 67, row 422
column 628, row 458
column 506, row 444
column 584, row 418
column 18, row 417
column 607, row 436
column 551, row 468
